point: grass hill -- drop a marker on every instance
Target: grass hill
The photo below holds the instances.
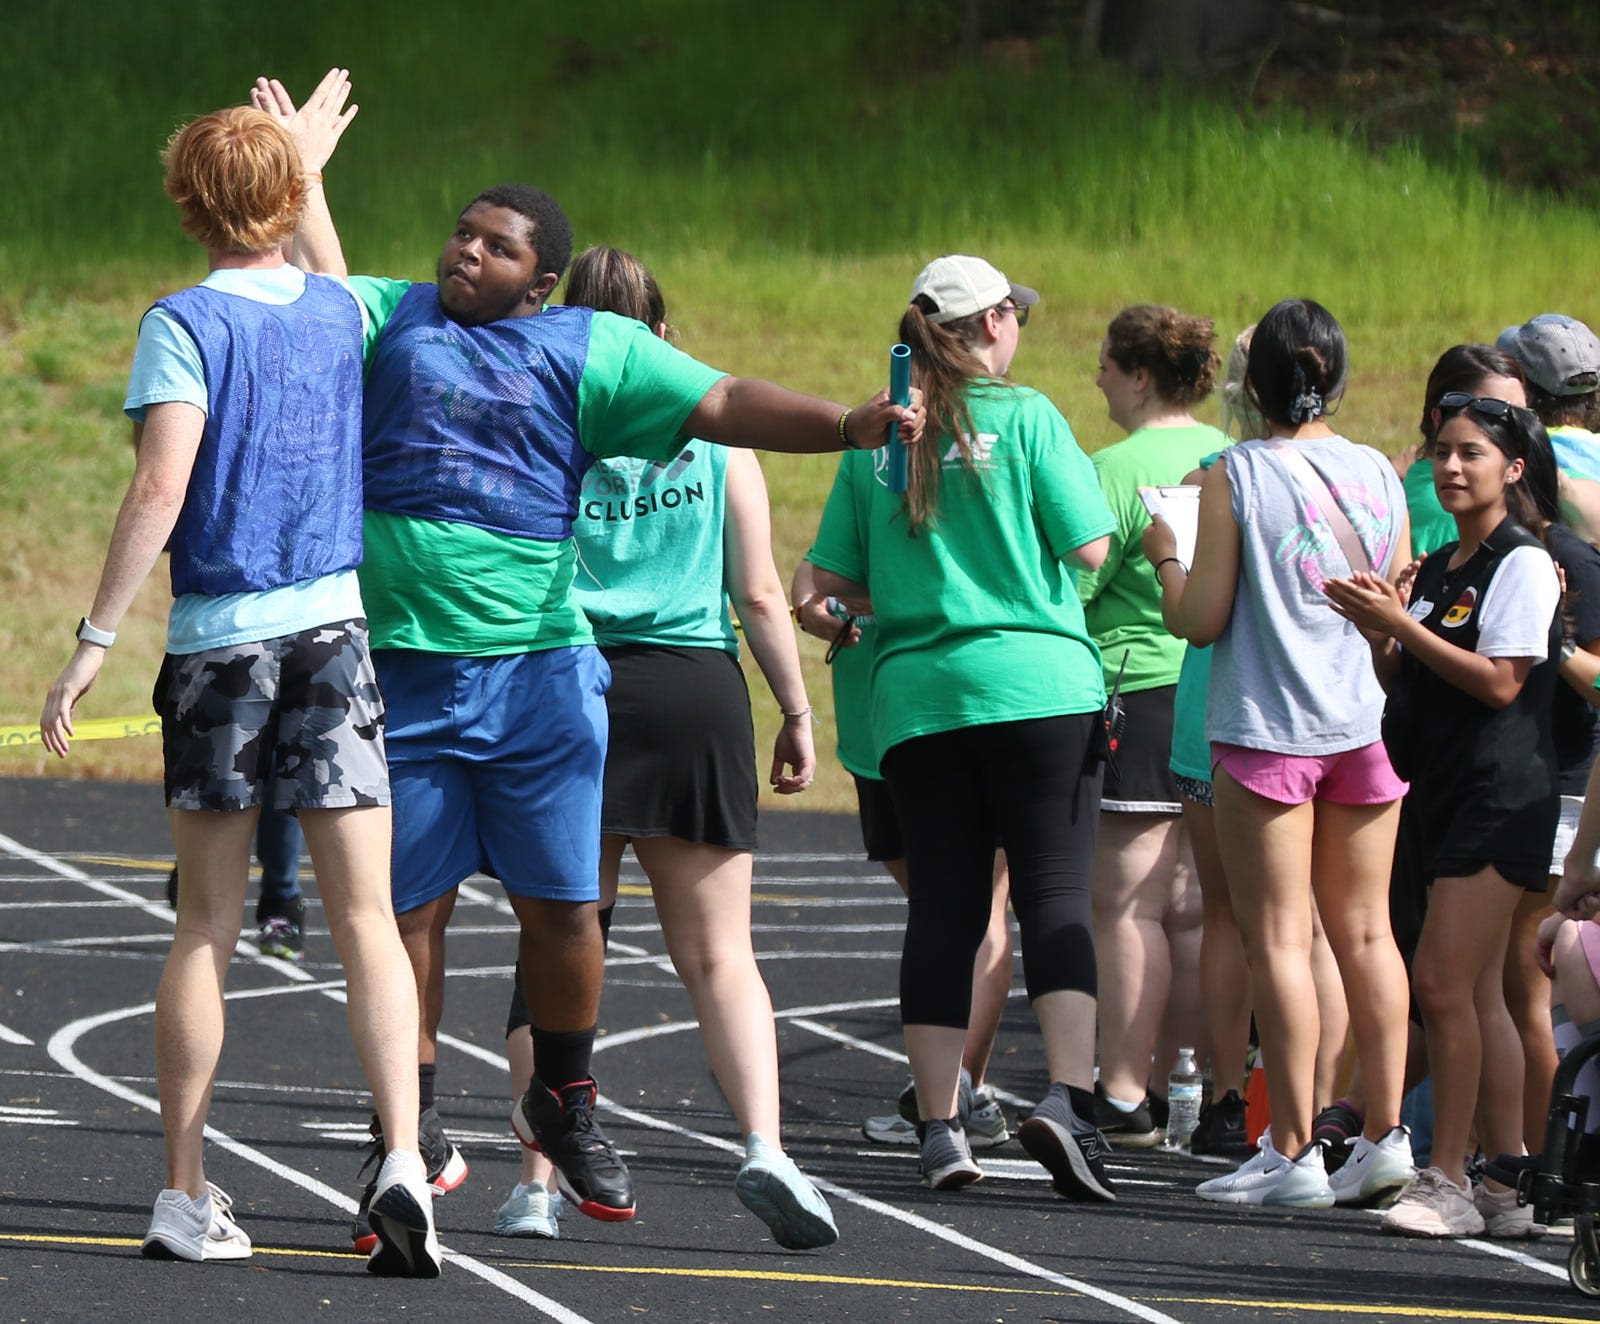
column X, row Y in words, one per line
column 785, row 169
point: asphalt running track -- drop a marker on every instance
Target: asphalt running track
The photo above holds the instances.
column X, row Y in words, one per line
column 83, row 930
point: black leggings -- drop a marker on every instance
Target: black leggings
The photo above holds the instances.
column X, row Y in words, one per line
column 1030, row 785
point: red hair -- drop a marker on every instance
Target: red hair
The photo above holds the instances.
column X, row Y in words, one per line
column 236, row 177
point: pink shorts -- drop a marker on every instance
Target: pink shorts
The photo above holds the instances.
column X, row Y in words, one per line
column 1355, row 777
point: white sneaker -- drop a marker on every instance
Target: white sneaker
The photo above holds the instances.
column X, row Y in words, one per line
column 1271, row 1178
column 1434, row 1206
column 1504, row 1218
column 1374, row 1169
column 401, row 1213
column 185, row 1229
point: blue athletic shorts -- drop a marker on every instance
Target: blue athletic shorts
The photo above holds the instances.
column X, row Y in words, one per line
column 495, row 765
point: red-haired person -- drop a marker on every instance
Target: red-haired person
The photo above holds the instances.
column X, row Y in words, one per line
column 245, row 398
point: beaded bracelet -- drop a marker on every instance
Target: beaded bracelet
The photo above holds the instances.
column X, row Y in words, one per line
column 844, row 436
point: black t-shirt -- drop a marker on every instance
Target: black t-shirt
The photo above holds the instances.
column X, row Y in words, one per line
column 1576, row 722
column 1483, row 779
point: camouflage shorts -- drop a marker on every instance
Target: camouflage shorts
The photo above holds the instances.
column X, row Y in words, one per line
column 304, row 708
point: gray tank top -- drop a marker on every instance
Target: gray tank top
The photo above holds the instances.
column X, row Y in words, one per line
column 1287, row 674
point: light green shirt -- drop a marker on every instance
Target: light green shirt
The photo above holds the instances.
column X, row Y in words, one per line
column 1122, row 599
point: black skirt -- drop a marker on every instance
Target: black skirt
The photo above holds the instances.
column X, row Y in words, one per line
column 681, row 760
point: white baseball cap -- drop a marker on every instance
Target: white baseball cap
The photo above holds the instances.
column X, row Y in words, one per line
column 960, row 286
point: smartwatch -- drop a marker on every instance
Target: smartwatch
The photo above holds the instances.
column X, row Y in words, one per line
column 90, row 635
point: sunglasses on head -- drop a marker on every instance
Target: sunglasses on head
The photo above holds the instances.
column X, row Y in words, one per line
column 1486, row 405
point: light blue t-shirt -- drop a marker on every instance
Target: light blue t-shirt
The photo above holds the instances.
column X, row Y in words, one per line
column 1289, row 675
column 167, row 369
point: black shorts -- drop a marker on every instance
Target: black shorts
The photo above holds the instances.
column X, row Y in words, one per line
column 1138, row 776
column 880, row 826
column 682, row 757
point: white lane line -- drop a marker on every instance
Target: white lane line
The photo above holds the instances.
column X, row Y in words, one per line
column 10, row 1036
column 895, row 1055
column 34, row 1117
column 926, row 1226
column 63, row 1050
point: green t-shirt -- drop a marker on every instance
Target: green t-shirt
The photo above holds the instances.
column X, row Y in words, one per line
column 443, row 585
column 1432, row 526
column 978, row 620
column 1122, row 599
column 852, row 703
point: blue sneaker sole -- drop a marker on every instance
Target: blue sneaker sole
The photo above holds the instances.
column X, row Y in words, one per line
column 785, row 1211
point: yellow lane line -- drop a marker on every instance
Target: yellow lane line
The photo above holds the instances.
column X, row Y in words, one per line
column 133, row 1243
column 905, row 1284
column 122, row 862
column 775, row 1276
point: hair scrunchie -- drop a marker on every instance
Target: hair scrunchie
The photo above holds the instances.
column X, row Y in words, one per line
column 1307, row 405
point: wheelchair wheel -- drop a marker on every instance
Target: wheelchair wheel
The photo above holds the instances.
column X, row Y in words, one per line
column 1585, row 1276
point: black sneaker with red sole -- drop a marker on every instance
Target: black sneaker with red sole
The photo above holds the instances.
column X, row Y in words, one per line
column 560, row 1124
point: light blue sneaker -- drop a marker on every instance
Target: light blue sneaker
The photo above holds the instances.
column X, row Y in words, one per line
column 531, row 1211
column 772, row 1188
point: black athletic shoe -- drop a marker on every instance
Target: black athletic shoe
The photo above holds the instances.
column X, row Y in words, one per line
column 1072, row 1150
column 1337, row 1126
column 560, row 1124
column 1135, row 1130
column 1221, row 1129
column 445, row 1164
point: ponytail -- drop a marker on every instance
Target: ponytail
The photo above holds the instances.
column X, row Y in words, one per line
column 942, row 366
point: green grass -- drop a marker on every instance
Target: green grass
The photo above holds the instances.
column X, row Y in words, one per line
column 785, row 169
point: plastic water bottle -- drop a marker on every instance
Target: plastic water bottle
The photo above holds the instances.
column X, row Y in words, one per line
column 1184, row 1087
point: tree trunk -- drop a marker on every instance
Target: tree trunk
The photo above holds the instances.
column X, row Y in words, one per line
column 1182, row 36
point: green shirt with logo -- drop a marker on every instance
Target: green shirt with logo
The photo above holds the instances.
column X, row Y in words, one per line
column 978, row 619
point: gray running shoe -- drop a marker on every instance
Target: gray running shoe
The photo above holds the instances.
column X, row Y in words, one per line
column 946, row 1160
column 985, row 1125
column 893, row 1130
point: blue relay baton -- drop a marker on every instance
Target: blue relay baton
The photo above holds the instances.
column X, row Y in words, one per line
column 900, row 393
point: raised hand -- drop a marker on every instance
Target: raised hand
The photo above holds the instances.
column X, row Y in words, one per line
column 317, row 126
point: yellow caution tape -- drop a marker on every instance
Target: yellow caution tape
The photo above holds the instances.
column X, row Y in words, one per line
column 91, row 728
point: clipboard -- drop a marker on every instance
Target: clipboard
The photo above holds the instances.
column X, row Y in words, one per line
column 1179, row 505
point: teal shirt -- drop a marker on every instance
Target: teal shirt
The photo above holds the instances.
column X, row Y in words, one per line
column 650, row 550
column 978, row 619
